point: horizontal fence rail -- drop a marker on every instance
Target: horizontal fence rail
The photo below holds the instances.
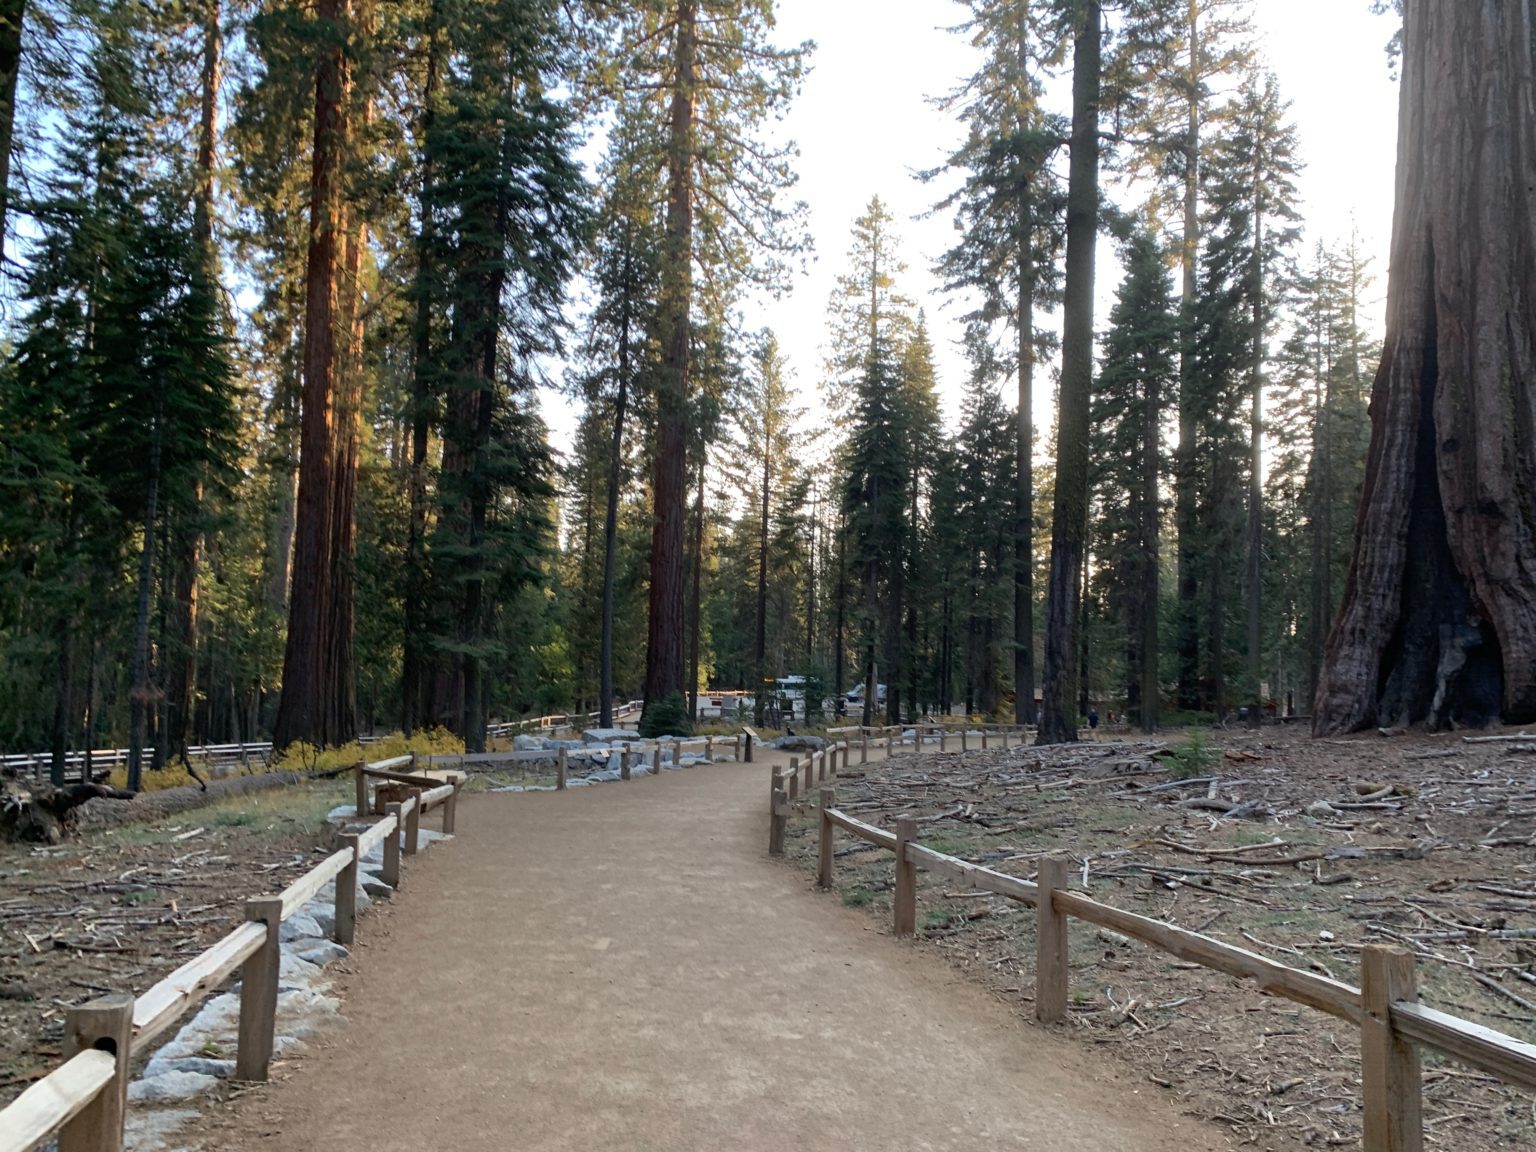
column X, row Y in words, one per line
column 84, row 1099
column 1385, row 1008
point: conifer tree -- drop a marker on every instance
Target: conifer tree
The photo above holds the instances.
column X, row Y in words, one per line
column 869, row 325
column 713, row 79
column 1172, row 110
column 319, row 701
column 505, row 245
column 1008, row 210
column 1128, row 406
column 122, row 363
column 1069, row 516
column 1253, row 227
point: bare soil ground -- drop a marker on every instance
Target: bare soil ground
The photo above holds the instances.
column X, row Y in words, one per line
column 1303, row 850
column 115, row 909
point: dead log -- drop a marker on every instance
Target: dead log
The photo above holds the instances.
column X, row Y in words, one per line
column 41, row 812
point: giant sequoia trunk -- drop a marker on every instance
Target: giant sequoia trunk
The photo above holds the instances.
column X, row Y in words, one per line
column 1069, row 527
column 316, row 704
column 1438, row 621
column 664, row 632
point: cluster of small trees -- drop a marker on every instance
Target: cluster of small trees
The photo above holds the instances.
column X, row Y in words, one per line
column 285, row 280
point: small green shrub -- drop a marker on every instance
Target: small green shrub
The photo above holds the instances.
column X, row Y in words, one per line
column 667, row 717
column 1193, row 757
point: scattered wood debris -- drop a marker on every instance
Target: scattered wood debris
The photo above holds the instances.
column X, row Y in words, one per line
column 1303, row 850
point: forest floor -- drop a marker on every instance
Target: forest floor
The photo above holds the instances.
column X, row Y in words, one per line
column 1301, row 850
column 116, row 909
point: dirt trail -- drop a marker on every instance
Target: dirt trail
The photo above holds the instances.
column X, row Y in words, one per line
column 622, row 967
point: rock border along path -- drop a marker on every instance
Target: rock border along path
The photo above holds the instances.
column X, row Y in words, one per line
column 624, row 968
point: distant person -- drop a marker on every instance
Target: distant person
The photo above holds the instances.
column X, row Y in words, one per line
column 1093, row 723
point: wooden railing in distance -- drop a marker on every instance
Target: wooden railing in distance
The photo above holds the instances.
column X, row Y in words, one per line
column 633, row 752
column 84, row 1099
column 1385, row 1008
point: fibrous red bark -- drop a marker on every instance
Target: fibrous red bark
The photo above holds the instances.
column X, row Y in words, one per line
column 318, row 704
column 1438, row 621
column 664, row 632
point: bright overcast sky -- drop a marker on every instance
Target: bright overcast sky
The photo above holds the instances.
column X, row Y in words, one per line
column 864, row 125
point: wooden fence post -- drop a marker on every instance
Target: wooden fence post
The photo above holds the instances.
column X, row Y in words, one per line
column 943, row 739
column 391, row 869
column 983, row 739
column 561, row 769
column 776, row 822
column 258, row 992
column 905, row 905
column 413, row 824
column 415, row 762
column 346, row 894
column 1051, row 976
column 624, row 763
column 964, row 742
column 824, row 870
column 794, row 777
column 709, row 749
column 451, row 806
column 748, row 760
column 656, row 760
column 810, row 767
column 863, row 746
column 1390, row 1085
column 890, row 745
column 362, row 788
column 821, row 765
column 105, row 1024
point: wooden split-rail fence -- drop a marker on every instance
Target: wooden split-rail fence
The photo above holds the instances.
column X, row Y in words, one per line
column 84, row 1100
column 1393, row 1024
column 560, row 721
column 643, row 754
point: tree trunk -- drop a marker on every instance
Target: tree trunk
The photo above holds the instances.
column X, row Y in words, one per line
column 696, row 599
column 664, row 631
column 63, row 700
column 181, row 660
column 1322, row 520
column 12, row 16
column 1254, row 571
column 1438, row 621
column 1083, row 693
column 1069, row 528
column 1024, row 497
column 760, row 637
column 1149, row 687
column 140, row 693
column 839, row 643
column 1186, row 506
column 413, row 648
column 810, row 584
column 309, row 708
column 611, row 514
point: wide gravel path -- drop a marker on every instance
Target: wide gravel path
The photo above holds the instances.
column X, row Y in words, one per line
column 623, row 967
